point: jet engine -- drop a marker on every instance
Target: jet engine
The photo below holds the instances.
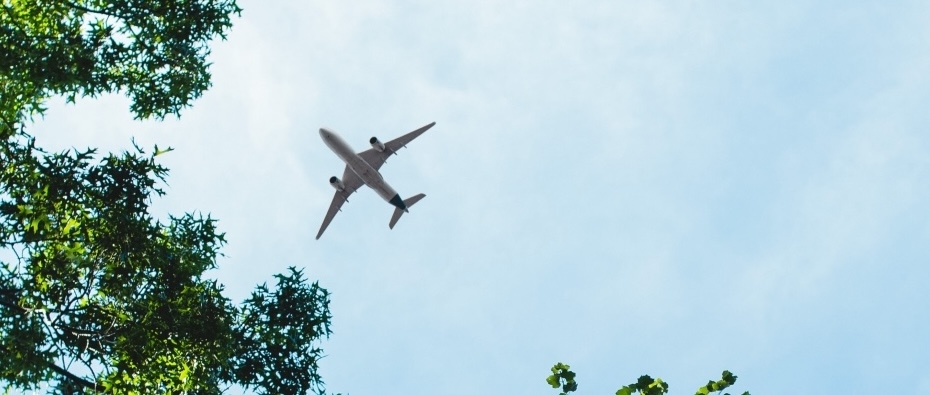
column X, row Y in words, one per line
column 377, row 145
column 337, row 183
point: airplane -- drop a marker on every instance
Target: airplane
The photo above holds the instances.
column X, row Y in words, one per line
column 362, row 169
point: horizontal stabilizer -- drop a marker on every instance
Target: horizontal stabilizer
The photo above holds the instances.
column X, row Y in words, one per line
column 410, row 201
column 407, row 202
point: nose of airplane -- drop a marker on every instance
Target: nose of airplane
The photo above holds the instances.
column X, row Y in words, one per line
column 325, row 133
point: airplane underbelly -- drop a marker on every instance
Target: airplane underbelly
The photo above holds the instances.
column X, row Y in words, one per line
column 374, row 180
column 383, row 189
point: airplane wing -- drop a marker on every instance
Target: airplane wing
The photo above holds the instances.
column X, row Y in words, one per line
column 376, row 159
column 352, row 183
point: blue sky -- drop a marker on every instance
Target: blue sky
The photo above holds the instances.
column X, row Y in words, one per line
column 666, row 187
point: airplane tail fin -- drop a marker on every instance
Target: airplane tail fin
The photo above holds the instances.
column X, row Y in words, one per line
column 407, row 202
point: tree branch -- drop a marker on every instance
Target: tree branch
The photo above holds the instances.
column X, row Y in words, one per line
column 10, row 304
column 58, row 369
column 71, row 376
column 92, row 11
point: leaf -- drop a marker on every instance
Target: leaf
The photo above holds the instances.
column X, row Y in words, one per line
column 71, row 224
column 161, row 151
column 729, row 377
column 570, row 386
column 553, row 380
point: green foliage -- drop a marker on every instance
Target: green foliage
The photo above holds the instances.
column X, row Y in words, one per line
column 284, row 322
column 97, row 282
column 727, row 379
column 96, row 295
column 645, row 385
column 153, row 50
column 562, row 376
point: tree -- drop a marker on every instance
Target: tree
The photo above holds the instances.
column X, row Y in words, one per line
column 153, row 50
column 97, row 295
column 563, row 377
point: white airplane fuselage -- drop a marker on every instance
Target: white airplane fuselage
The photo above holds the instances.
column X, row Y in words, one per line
column 362, row 169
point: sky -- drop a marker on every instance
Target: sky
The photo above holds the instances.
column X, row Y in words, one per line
column 670, row 188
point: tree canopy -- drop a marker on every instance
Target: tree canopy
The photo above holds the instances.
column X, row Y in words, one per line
column 154, row 51
column 97, row 295
column 563, row 377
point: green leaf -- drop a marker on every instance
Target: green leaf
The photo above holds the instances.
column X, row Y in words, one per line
column 553, row 380
column 71, row 224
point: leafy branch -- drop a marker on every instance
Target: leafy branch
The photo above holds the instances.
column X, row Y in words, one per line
column 645, row 385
